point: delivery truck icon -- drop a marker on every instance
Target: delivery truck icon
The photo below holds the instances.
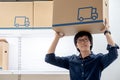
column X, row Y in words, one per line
column 87, row 13
column 21, row 21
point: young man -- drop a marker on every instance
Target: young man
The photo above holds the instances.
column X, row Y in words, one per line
column 86, row 66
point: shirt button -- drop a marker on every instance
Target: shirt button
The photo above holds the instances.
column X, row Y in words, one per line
column 81, row 64
column 82, row 73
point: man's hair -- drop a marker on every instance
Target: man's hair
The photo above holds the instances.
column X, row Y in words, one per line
column 81, row 34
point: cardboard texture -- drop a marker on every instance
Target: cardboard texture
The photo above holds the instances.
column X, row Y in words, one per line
column 16, row 14
column 43, row 11
column 3, row 54
column 71, row 16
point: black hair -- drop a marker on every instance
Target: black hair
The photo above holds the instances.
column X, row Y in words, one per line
column 81, row 34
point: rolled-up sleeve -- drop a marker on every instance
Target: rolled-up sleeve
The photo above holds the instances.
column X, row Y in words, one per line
column 57, row 61
column 108, row 58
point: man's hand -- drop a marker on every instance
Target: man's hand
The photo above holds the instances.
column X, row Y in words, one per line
column 106, row 26
column 59, row 34
column 107, row 33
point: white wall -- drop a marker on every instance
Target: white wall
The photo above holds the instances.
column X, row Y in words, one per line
column 113, row 71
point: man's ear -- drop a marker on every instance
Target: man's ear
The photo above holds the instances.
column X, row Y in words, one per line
column 90, row 44
column 76, row 46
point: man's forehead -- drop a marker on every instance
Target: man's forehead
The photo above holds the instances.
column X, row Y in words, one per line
column 81, row 37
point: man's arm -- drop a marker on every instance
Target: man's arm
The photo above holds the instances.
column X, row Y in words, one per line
column 55, row 60
column 55, row 42
column 112, row 54
column 107, row 33
column 110, row 41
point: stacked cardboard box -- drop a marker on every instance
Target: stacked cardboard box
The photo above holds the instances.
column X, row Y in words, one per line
column 43, row 11
column 16, row 14
column 26, row 14
column 71, row 16
column 3, row 54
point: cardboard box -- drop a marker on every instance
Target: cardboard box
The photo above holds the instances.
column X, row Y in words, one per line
column 16, row 14
column 43, row 12
column 7, row 0
column 3, row 54
column 71, row 16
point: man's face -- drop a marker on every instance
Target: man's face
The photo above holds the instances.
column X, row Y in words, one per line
column 83, row 43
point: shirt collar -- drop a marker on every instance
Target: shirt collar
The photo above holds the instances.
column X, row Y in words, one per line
column 90, row 56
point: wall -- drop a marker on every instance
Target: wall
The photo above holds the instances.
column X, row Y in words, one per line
column 113, row 71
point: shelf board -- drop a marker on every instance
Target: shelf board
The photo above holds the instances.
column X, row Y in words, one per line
column 25, row 32
column 45, row 72
column 8, row 71
column 24, row 28
column 16, row 72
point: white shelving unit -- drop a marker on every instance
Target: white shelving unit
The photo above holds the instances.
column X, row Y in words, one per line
column 20, row 67
column 27, row 33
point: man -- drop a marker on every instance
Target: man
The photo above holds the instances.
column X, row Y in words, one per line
column 86, row 66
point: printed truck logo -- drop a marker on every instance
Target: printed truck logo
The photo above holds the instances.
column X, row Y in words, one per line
column 87, row 13
column 21, row 21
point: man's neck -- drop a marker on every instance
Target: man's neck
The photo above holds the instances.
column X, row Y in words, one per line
column 85, row 53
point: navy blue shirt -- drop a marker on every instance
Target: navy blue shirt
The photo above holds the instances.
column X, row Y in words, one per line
column 89, row 68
